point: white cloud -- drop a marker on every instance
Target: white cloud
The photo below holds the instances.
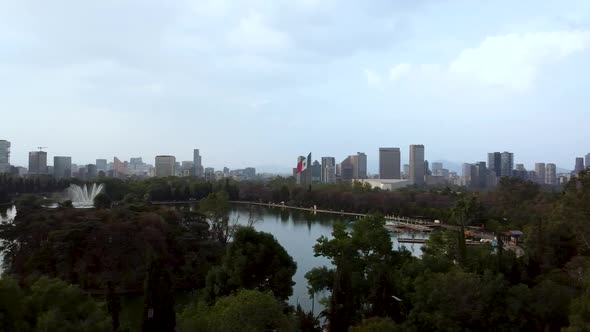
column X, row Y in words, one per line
column 373, row 78
column 512, row 61
column 253, row 35
column 399, row 71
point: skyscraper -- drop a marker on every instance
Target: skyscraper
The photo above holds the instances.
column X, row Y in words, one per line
column 481, row 175
column 389, row 163
column 361, row 165
column 92, row 171
column 328, row 170
column 347, row 168
column 506, row 164
column 417, row 170
column 540, row 173
column 579, row 165
column 4, row 156
column 551, row 174
column 587, row 160
column 199, row 171
column 495, row 163
column 101, row 165
column 466, row 174
column 316, row 172
column 165, row 166
column 62, row 167
column 37, row 162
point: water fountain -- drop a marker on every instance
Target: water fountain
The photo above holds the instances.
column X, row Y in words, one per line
column 83, row 197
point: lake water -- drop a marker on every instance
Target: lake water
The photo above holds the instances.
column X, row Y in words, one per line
column 297, row 231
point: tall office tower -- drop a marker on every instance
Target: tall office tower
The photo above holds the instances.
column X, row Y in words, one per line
column 540, row 173
column 165, row 166
column 506, row 164
column 587, row 160
column 316, row 172
column 328, row 170
column 338, row 170
column 436, row 167
column 495, row 163
column 101, row 165
column 579, row 165
column 406, row 171
column 119, row 168
column 37, row 162
column 199, row 171
column 62, row 167
column 347, row 167
column 361, row 165
column 417, row 171
column 4, row 156
column 466, row 174
column 551, row 174
column 389, row 163
column 427, row 168
column 481, row 173
column 91, row 171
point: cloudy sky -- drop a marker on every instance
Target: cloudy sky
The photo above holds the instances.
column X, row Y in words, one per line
column 261, row 82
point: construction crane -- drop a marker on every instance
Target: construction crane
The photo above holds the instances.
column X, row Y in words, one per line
column 41, row 148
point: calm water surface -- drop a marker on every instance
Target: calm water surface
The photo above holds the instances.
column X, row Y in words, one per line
column 297, row 231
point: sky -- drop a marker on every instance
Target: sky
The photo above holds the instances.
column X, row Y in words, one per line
column 258, row 83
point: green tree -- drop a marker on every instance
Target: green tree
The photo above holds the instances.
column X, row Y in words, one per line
column 254, row 260
column 158, row 312
column 102, row 201
column 216, row 208
column 376, row 324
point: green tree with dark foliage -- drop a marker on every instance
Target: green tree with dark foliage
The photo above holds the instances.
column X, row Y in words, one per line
column 254, row 260
column 102, row 201
column 158, row 312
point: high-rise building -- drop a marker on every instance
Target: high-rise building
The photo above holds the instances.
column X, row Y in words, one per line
column 417, row 171
column 347, row 167
column 37, row 162
column 495, row 163
column 316, row 172
column 467, row 174
column 62, row 167
column 551, row 174
column 506, row 164
column 406, row 174
column 481, row 175
column 199, row 171
column 427, row 168
column 361, row 165
column 436, row 166
column 165, row 166
column 587, row 160
column 119, row 168
column 540, row 173
column 249, row 172
column 92, row 171
column 4, row 156
column 389, row 163
column 579, row 165
column 328, row 170
column 101, row 165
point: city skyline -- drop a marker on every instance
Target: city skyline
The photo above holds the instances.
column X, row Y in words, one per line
column 247, row 80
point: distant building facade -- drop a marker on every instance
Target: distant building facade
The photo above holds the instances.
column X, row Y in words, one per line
column 198, row 163
column 507, row 164
column 165, row 166
column 389, row 163
column 37, row 162
column 579, row 165
column 101, row 165
column 4, row 156
column 328, row 170
column 551, row 174
column 540, row 172
column 417, row 171
column 62, row 167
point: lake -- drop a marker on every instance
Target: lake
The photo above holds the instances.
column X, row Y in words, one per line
column 297, row 231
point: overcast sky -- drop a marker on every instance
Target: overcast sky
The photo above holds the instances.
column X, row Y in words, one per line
column 257, row 83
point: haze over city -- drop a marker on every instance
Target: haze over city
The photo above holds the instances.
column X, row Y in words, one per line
column 249, row 84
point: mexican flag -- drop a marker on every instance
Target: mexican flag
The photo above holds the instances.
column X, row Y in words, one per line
column 302, row 163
